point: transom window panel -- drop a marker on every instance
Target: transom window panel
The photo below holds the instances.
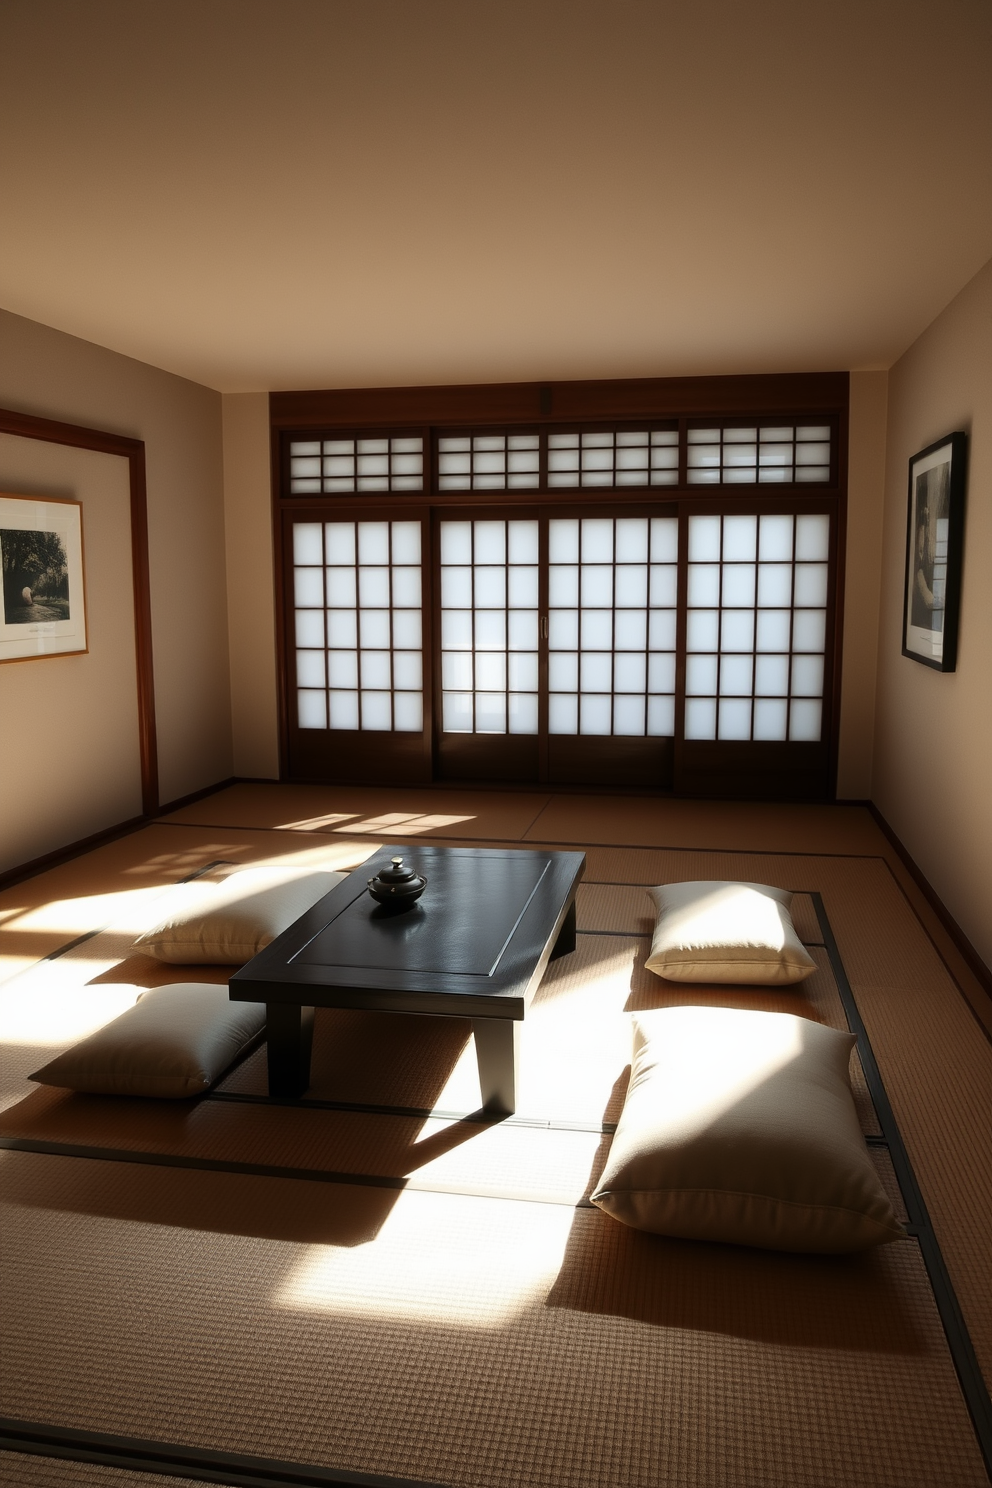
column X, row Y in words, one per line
column 370, row 464
column 756, row 627
column 612, row 592
column 614, row 458
column 359, row 624
column 489, row 627
column 488, row 462
column 782, row 454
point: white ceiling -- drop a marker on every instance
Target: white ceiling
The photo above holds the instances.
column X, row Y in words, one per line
column 317, row 193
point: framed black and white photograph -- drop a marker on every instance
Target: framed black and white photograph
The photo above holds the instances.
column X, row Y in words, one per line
column 41, row 556
column 934, row 540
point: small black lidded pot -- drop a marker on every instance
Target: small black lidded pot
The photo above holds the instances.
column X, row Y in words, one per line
column 397, row 888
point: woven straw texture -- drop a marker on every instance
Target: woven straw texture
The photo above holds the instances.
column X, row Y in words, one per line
column 18, row 1470
column 433, row 1297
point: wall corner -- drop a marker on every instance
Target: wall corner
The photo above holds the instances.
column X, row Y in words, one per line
column 250, row 585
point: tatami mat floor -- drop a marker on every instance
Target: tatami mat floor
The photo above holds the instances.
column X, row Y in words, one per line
column 18, row 1470
column 584, row 819
column 448, row 1308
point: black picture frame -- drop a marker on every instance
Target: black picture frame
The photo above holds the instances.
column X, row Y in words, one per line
column 934, row 552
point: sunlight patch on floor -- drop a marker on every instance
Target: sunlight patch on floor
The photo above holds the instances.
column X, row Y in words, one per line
column 50, row 1001
column 61, row 1012
column 461, row 1089
column 176, row 865
column 13, row 966
column 315, row 823
column 337, row 857
column 77, row 916
column 444, row 1258
column 577, row 1035
column 503, row 1160
column 401, row 824
column 574, row 1043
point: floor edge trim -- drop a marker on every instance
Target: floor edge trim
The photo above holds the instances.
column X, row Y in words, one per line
column 172, row 1459
column 962, row 1350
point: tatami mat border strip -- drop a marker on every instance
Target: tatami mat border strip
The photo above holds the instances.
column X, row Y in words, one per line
column 169, row 1459
column 265, row 1170
column 956, row 1330
column 72, row 945
column 623, row 934
column 199, row 1164
column 441, row 841
column 479, row 1117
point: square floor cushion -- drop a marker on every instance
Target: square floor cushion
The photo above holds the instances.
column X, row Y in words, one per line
column 740, row 1126
column 228, row 923
column 174, row 1043
column 719, row 931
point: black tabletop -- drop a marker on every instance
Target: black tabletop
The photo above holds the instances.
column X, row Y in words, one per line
column 476, row 941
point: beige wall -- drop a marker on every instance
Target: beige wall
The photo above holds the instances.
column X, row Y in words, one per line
column 865, row 505
column 250, row 587
column 932, row 729
column 44, row 372
column 69, row 724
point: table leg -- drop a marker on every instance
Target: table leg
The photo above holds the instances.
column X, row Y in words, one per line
column 496, row 1051
column 566, row 935
column 289, row 1035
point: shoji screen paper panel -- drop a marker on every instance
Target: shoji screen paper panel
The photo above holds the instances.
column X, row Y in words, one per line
column 358, row 626
column 334, row 466
column 489, row 627
column 756, row 627
column 613, row 458
column 488, row 462
column 766, row 455
column 612, row 588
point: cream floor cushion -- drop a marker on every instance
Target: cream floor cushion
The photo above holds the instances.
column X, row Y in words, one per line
column 228, row 923
column 740, row 1126
column 718, row 931
column 173, row 1044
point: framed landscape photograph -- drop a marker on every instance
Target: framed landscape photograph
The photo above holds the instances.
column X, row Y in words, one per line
column 41, row 558
column 934, row 541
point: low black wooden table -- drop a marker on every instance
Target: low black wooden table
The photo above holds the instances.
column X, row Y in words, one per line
column 475, row 946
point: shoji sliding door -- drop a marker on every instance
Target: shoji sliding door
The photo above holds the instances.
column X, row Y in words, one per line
column 659, row 647
column 489, row 648
column 758, row 652
column 357, row 647
column 585, row 584
column 612, row 589
column 557, row 647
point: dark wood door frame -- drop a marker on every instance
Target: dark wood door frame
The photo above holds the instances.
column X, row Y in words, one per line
column 52, row 431
column 401, row 759
column 557, row 759
column 678, row 401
